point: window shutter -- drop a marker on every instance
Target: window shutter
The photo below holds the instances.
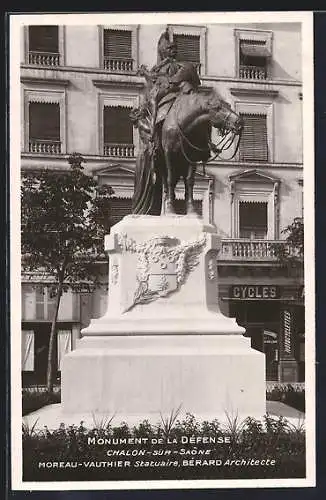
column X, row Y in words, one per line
column 119, row 208
column 27, row 352
column 252, row 219
column 44, row 121
column 188, row 48
column 64, row 345
column 253, row 214
column 44, row 39
column 45, row 303
column 117, row 44
column 117, row 125
column 253, row 144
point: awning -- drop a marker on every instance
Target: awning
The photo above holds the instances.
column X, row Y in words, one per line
column 253, row 50
column 270, row 334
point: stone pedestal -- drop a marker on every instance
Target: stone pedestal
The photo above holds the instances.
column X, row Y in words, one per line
column 163, row 341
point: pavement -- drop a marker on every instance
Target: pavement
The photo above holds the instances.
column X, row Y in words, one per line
column 52, row 416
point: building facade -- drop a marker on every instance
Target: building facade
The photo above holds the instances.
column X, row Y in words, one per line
column 78, row 85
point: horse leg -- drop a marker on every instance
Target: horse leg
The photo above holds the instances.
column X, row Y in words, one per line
column 186, row 191
column 189, row 190
column 169, row 203
column 165, row 191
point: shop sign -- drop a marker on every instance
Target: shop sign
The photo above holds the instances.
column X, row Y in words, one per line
column 255, row 292
column 287, row 322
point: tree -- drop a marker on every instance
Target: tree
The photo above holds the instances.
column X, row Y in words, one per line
column 63, row 225
column 291, row 254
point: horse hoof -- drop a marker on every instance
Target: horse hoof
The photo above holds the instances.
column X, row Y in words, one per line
column 191, row 211
column 169, row 209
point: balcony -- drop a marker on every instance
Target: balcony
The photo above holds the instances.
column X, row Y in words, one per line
column 122, row 150
column 47, row 147
column 242, row 250
column 44, row 58
column 253, row 72
column 118, row 65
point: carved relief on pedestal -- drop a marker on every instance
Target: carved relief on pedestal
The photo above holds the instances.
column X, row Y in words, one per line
column 114, row 272
column 212, row 274
column 163, row 264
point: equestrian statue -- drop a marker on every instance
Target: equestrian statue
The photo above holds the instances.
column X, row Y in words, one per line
column 175, row 121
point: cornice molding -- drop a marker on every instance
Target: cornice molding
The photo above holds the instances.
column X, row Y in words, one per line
column 241, row 81
column 251, row 175
column 118, row 84
column 254, row 91
column 48, row 81
column 204, row 76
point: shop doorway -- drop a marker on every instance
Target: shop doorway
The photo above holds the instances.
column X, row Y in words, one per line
column 261, row 321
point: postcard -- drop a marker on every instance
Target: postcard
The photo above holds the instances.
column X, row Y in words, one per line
column 162, row 251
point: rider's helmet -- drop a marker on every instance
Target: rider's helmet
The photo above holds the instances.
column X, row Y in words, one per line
column 166, row 47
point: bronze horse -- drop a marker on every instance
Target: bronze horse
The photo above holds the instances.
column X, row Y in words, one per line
column 184, row 140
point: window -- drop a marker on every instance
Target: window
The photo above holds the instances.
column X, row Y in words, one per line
column 117, row 50
column 253, row 54
column 253, row 220
column 45, row 303
column 254, row 205
column 117, row 131
column 191, row 44
column 44, row 115
column 253, row 59
column 253, row 144
column 120, row 207
column 188, row 48
column 38, row 304
column 44, row 127
column 43, row 45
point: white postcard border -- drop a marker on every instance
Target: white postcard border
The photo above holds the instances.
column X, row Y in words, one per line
column 16, row 22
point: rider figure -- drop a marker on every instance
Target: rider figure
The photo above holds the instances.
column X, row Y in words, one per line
column 169, row 78
column 164, row 82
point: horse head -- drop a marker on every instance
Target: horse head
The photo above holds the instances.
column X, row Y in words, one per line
column 222, row 116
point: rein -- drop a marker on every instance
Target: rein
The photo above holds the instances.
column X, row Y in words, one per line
column 212, row 147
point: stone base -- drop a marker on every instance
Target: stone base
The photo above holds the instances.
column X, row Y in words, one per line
column 145, row 376
column 163, row 342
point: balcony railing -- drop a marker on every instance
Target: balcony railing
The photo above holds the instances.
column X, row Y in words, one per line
column 44, row 58
column 119, row 65
column 253, row 72
column 249, row 250
column 124, row 150
column 48, row 147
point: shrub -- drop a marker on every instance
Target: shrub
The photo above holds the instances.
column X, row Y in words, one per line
column 273, row 439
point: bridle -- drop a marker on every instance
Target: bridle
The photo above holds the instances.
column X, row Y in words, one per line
column 215, row 148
